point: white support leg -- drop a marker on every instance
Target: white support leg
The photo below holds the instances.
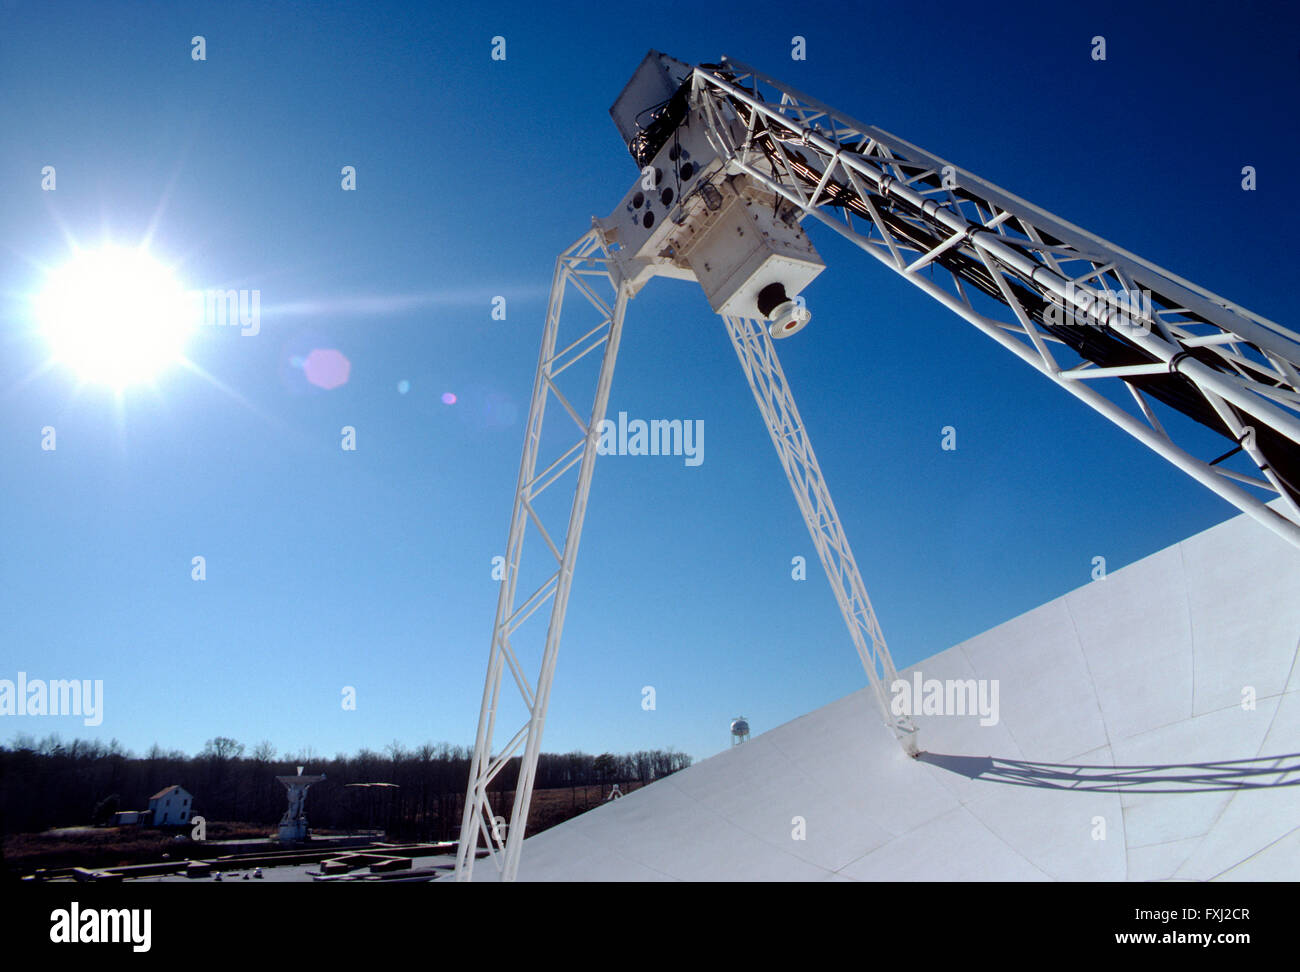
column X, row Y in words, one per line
column 586, row 270
column 766, row 380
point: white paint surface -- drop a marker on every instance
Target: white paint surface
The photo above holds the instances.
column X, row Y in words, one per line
column 1144, row 668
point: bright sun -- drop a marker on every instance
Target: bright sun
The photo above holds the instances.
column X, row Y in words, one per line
column 115, row 315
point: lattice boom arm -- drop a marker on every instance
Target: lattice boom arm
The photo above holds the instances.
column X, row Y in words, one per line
column 1079, row 309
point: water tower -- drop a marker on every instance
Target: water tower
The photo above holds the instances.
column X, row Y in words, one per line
column 739, row 731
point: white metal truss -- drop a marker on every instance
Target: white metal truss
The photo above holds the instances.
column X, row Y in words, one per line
column 585, row 270
column 1077, row 308
column 1053, row 293
column 758, row 359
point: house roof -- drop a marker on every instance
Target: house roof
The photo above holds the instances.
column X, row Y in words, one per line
column 165, row 790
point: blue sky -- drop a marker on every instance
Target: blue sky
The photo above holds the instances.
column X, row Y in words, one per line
column 372, row 568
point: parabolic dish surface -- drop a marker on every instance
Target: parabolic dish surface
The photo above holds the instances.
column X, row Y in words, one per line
column 1122, row 751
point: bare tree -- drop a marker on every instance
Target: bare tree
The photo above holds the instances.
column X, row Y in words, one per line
column 222, row 748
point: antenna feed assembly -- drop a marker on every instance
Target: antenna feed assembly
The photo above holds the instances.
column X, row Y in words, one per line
column 690, row 216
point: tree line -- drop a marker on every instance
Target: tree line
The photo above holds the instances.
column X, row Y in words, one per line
column 55, row 783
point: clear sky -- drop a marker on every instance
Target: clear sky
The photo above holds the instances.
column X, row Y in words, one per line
column 372, row 568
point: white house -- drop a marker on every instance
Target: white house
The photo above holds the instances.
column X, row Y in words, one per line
column 170, row 807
